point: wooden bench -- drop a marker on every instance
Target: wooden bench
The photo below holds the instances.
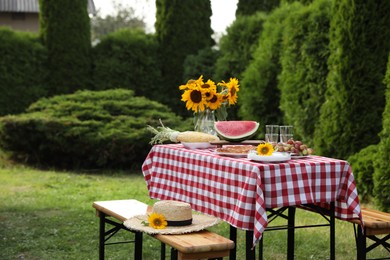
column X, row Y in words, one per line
column 120, row 210
column 196, row 245
column 375, row 223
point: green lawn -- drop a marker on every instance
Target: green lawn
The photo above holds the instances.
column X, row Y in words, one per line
column 49, row 215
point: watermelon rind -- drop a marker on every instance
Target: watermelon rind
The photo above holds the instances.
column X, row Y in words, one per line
column 236, row 131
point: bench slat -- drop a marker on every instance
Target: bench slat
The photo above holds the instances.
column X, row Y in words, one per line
column 383, row 216
column 197, row 242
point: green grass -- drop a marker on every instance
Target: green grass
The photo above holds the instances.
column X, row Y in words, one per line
column 49, row 215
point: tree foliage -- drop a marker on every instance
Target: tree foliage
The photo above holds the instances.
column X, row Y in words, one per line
column 237, row 46
column 249, row 7
column 182, row 28
column 22, row 70
column 127, row 59
column 302, row 82
column 85, row 130
column 259, row 91
column 382, row 166
column 354, row 101
column 65, row 31
column 123, row 18
column 203, row 63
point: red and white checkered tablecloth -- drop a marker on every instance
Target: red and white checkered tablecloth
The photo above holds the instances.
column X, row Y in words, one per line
column 238, row 190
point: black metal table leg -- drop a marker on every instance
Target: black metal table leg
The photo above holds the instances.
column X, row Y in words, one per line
column 332, row 232
column 250, row 253
column 291, row 233
column 360, row 243
column 102, row 228
column 261, row 244
column 233, row 237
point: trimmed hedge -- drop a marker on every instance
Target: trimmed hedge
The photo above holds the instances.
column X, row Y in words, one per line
column 85, row 130
column 22, row 70
column 128, row 59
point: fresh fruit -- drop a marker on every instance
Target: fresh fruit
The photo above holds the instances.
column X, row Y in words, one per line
column 294, row 147
column 236, row 131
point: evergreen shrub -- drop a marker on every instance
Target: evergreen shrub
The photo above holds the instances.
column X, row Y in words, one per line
column 22, row 70
column 351, row 116
column 66, row 33
column 259, row 93
column 182, row 28
column 237, row 46
column 302, row 82
column 203, row 63
column 128, row 59
column 382, row 164
column 363, row 170
column 249, row 7
column 85, row 130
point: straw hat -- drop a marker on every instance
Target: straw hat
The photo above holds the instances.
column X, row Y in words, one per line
column 179, row 216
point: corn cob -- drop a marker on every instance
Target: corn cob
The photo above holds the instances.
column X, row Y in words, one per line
column 163, row 133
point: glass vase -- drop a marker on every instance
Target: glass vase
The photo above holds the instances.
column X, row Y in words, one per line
column 204, row 121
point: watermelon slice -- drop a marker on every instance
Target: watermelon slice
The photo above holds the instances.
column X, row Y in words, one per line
column 236, row 131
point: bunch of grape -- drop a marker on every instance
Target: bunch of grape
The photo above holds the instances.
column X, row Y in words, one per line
column 294, row 147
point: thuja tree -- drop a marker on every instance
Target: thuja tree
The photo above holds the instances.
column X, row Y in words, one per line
column 182, row 28
column 351, row 116
column 237, row 46
column 65, row 31
column 304, row 67
column 382, row 172
column 259, row 93
column 249, row 7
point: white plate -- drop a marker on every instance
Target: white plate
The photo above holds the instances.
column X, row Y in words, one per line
column 202, row 145
column 299, row 156
column 275, row 157
column 239, row 155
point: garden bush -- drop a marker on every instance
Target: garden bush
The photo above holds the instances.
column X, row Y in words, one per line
column 351, row 116
column 302, row 82
column 382, row 163
column 363, row 165
column 237, row 46
column 203, row 63
column 259, row 93
column 182, row 28
column 85, row 130
column 66, row 33
column 22, row 70
column 127, row 59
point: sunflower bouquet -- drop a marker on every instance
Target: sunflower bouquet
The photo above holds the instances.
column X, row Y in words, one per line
column 200, row 96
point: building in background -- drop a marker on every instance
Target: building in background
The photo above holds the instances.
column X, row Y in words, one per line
column 23, row 15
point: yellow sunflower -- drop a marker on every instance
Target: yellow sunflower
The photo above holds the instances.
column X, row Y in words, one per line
column 215, row 101
column 233, row 88
column 265, row 149
column 194, row 99
column 157, row 221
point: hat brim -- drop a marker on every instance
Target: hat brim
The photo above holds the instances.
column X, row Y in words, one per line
column 199, row 222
